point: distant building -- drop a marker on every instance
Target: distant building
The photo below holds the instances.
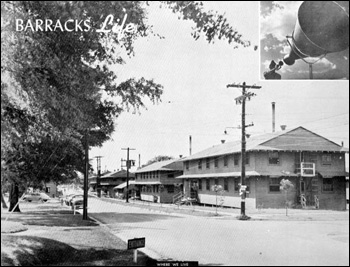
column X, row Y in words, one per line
column 269, row 159
column 157, row 182
column 51, row 189
column 109, row 181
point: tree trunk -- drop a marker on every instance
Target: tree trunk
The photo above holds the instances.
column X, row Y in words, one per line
column 14, row 197
column 3, row 202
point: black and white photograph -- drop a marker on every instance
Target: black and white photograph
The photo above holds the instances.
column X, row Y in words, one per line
column 304, row 40
column 174, row 133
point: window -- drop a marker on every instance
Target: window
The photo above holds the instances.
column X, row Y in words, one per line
column 171, row 175
column 199, row 184
column 237, row 181
column 247, row 183
column 208, row 163
column 48, row 189
column 236, row 159
column 216, row 162
column 200, row 164
column 327, row 185
column 225, row 161
column 226, row 184
column 274, row 184
column 274, row 158
column 247, row 159
column 171, row 188
column 208, row 185
column 326, row 159
column 309, row 157
column 187, row 164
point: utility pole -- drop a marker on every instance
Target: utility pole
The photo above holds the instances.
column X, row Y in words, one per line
column 241, row 100
column 98, row 178
column 128, row 164
column 86, row 174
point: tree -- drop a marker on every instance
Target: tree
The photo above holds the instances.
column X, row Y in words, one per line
column 286, row 186
column 218, row 190
column 59, row 84
column 158, row 158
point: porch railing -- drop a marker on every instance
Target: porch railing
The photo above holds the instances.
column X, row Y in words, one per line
column 177, row 197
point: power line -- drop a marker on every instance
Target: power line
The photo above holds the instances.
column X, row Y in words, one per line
column 242, row 100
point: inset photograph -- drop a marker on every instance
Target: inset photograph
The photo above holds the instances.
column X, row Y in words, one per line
column 303, row 40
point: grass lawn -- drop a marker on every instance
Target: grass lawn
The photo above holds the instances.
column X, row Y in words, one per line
column 49, row 234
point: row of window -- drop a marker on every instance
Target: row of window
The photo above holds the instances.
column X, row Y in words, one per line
column 273, row 159
column 206, row 183
column 274, row 184
column 152, row 175
column 157, row 188
column 208, row 161
column 327, row 185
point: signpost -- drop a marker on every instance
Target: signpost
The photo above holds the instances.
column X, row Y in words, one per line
column 135, row 244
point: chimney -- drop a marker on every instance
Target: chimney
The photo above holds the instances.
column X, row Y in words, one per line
column 283, row 127
column 273, row 116
column 342, row 143
column 223, row 141
column 190, row 145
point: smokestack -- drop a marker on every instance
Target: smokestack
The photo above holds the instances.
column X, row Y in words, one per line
column 139, row 160
column 342, row 143
column 283, row 127
column 273, row 116
column 190, row 145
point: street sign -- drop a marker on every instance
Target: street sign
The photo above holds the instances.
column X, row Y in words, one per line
column 136, row 243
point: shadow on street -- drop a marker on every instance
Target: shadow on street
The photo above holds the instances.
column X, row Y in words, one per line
column 113, row 217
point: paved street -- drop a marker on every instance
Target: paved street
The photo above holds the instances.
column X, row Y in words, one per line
column 226, row 240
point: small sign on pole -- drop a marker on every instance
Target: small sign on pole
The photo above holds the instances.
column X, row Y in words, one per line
column 135, row 244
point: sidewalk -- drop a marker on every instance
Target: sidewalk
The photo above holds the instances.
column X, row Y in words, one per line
column 234, row 213
column 56, row 237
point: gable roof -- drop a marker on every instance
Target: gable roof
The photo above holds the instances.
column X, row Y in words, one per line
column 297, row 139
column 117, row 174
column 166, row 165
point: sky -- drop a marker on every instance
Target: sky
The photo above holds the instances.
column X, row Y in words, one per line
column 278, row 20
column 196, row 101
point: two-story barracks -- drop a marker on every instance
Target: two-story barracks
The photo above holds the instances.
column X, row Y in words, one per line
column 269, row 159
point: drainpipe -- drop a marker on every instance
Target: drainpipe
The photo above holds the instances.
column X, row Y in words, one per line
column 273, row 116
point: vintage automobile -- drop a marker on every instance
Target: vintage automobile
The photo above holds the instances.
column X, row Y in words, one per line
column 72, row 198
column 77, row 202
column 36, row 197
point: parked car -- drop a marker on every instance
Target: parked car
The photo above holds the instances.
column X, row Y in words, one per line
column 77, row 202
column 36, row 197
column 67, row 198
column 73, row 198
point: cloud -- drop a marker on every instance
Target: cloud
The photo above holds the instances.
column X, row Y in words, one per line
column 281, row 20
column 277, row 21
